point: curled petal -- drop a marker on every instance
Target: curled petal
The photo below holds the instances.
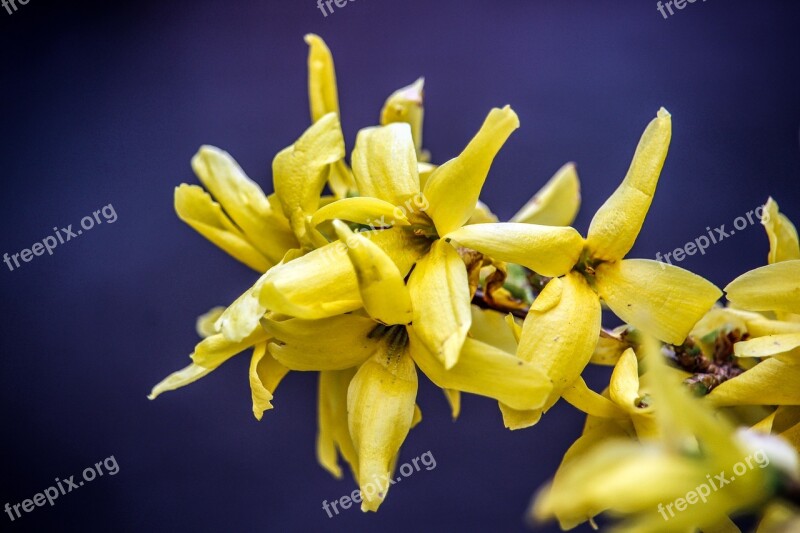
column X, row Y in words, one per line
column 783, row 241
column 405, row 105
column 616, row 224
column 362, row 210
column 322, row 92
column 380, row 408
column 265, row 375
column 333, row 434
column 440, row 295
column 385, row 163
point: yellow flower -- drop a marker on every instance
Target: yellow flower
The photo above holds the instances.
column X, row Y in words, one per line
column 368, row 413
column 563, row 325
column 693, row 472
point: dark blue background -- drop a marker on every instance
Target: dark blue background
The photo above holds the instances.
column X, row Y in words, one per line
column 106, row 103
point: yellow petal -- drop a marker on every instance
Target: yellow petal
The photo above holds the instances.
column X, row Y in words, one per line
column 385, row 164
column 561, row 331
column 547, row 250
column 454, row 401
column 491, row 327
column 662, row 300
column 380, row 407
column 484, row 370
column 331, row 343
column 767, row 346
column 205, row 323
column 616, row 224
column 610, row 346
column 773, row 287
column 207, row 356
column 783, row 242
column 381, row 285
column 557, row 203
column 362, row 210
column 759, row 327
column 299, row 172
column 322, row 93
column 245, row 202
column 195, row 207
column 323, row 283
column 265, row 375
column 624, row 386
column 341, row 180
column 333, row 433
column 773, row 381
column 405, row 105
column 453, row 188
column 439, row 291
column 417, row 416
column 241, row 318
column 580, row 396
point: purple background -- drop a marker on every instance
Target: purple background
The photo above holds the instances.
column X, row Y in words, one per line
column 106, row 104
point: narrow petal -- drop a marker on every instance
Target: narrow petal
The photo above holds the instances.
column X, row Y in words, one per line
column 616, row 224
column 380, row 407
column 244, row 201
column 547, row 250
column 454, row 401
column 783, row 241
column 405, row 105
column 333, row 434
column 195, row 207
column 209, row 353
column 439, row 291
column 767, row 346
column 265, row 375
column 662, row 300
column 362, row 210
column 301, row 170
column 624, row 386
column 773, row 287
column 557, row 203
column 561, row 331
column 454, row 187
column 580, row 396
column 385, row 163
column 322, row 93
column 333, row 343
column 487, row 371
column 205, row 326
column 380, row 283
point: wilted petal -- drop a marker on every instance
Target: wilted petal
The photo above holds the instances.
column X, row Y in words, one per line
column 195, row 207
column 453, row 188
column 205, row 326
column 440, row 297
column 331, row 343
column 385, row 164
column 662, row 300
column 547, row 250
column 380, row 283
column 380, row 407
column 485, row 370
column 557, row 203
column 616, row 224
column 265, row 375
column 773, row 287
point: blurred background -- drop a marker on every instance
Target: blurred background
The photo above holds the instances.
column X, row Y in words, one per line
column 105, row 103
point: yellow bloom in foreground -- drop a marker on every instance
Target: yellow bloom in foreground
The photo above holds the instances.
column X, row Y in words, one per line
column 563, row 325
column 386, row 348
column 694, row 474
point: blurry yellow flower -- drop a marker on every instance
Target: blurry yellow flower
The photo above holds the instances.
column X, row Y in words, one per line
column 694, row 474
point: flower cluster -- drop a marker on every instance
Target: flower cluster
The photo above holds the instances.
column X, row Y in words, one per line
column 400, row 269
